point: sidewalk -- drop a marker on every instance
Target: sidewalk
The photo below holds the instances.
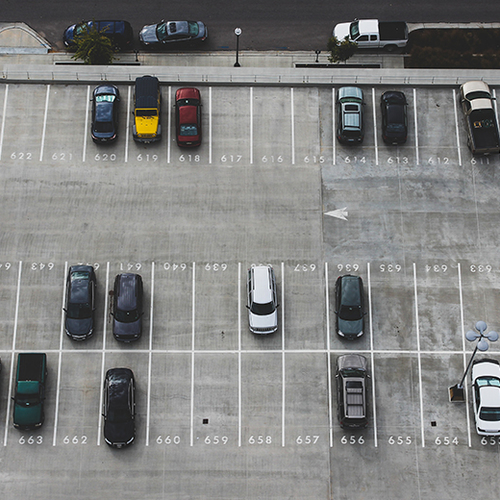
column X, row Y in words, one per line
column 26, row 57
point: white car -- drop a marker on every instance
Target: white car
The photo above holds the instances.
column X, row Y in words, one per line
column 262, row 300
column 486, row 396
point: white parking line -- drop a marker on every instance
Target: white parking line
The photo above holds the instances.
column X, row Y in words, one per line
column 45, row 121
column 375, row 126
column 192, row 354
column 210, row 125
column 127, row 121
column 59, row 362
column 292, row 113
column 334, row 144
column 150, row 354
column 372, row 357
column 283, row 353
column 169, row 124
column 457, row 128
column 85, row 133
column 3, row 118
column 415, row 124
column 417, row 327
column 239, row 353
column 464, row 357
column 103, row 360
column 328, row 356
column 12, row 357
column 251, row 125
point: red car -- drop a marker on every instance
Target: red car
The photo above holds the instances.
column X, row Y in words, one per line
column 188, row 117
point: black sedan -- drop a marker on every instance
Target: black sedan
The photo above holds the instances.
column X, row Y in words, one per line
column 119, row 407
column 80, row 302
column 172, row 32
column 394, row 117
column 105, row 101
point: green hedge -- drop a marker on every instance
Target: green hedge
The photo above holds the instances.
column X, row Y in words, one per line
column 454, row 48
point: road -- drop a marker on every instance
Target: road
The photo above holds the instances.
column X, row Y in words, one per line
column 266, row 25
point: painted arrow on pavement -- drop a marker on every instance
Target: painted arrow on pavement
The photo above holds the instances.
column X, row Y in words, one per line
column 340, row 213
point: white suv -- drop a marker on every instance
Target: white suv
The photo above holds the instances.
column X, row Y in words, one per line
column 486, row 396
column 262, row 300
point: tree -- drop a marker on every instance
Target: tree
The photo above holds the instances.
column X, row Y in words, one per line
column 341, row 51
column 94, row 47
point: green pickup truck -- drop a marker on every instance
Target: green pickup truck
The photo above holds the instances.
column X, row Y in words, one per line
column 30, row 390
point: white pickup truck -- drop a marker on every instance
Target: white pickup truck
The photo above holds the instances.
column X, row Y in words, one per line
column 373, row 34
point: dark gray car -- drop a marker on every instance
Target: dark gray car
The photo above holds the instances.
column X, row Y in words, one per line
column 350, row 306
column 80, row 302
column 173, row 32
column 127, row 307
column 351, row 374
column 350, row 103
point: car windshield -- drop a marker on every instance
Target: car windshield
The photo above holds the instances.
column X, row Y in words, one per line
column 79, row 311
column 193, row 28
column 483, row 381
column 353, row 372
column 350, row 313
column 127, row 316
column 262, row 309
column 395, row 127
column 489, row 414
column 478, row 94
column 105, row 98
column 146, row 112
column 161, row 31
column 28, row 400
column 190, row 129
column 354, row 29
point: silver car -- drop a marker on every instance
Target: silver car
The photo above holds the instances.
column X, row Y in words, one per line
column 262, row 300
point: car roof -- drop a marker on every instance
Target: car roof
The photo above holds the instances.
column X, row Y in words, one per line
column 146, row 90
column 351, row 290
column 118, row 382
column 126, row 299
column 262, row 284
column 350, row 92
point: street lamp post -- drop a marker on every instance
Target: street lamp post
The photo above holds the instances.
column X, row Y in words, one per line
column 237, row 32
column 456, row 392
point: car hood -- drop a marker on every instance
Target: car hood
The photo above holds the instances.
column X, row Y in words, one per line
column 122, row 433
column 79, row 327
column 27, row 415
column 341, row 31
column 127, row 329
column 350, row 328
column 148, row 34
column 267, row 322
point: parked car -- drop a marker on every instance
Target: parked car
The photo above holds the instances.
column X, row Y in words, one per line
column 171, row 32
column 262, row 300
column 188, row 117
column 349, row 306
column 350, row 103
column 119, row 407
column 351, row 375
column 105, row 101
column 127, row 307
column 147, row 109
column 120, row 32
column 486, row 396
column 80, row 302
column 394, row 117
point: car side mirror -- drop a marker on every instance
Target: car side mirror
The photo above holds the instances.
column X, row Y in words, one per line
column 64, row 309
column 247, row 307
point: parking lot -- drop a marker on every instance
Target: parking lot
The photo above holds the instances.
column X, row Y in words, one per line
column 223, row 413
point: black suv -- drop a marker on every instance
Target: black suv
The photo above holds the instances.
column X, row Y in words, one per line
column 350, row 308
column 119, row 32
column 127, row 307
column 351, row 377
column 119, row 407
column 80, row 302
column 394, row 117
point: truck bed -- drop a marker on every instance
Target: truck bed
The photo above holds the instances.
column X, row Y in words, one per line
column 393, row 30
column 31, row 366
column 484, row 130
